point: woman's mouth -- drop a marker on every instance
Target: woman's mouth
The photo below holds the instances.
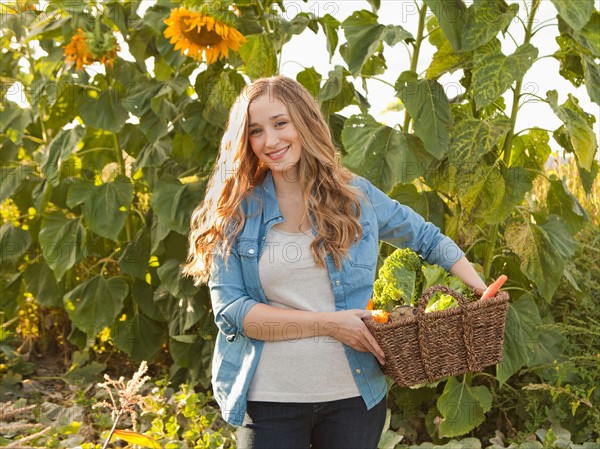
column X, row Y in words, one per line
column 278, row 154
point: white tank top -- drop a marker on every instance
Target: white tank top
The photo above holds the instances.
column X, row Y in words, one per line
column 311, row 369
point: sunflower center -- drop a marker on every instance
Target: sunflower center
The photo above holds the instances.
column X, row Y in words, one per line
column 200, row 35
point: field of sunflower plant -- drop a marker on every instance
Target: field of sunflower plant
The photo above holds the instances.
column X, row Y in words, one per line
column 111, row 117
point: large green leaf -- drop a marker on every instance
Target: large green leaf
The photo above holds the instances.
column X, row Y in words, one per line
column 591, row 72
column 481, row 189
column 173, row 281
column 105, row 207
column 428, row 106
column 173, row 202
column 445, row 59
column 59, row 149
column 362, row 33
column 560, row 236
column 104, row 110
column 14, row 242
column 259, row 56
column 134, row 258
column 138, row 335
column 393, row 34
column 14, row 120
column 13, row 176
column 311, row 79
column 337, row 92
column 494, row 73
column 490, row 193
column 427, row 204
column 531, row 150
column 222, row 96
column 382, row 154
column 451, row 16
column 10, row 286
column 43, row 286
column 143, row 297
column 96, row 303
column 194, row 353
column 577, row 13
column 462, row 407
column 365, row 34
column 518, row 181
column 330, row 27
column 550, row 347
column 155, row 153
column 540, row 253
column 181, row 314
column 520, row 336
column 562, row 202
column 62, row 240
column 472, row 138
column 570, row 60
column 587, row 39
column 580, row 135
column 486, row 18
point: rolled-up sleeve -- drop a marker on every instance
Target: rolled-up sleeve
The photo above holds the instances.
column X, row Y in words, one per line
column 230, row 301
column 402, row 227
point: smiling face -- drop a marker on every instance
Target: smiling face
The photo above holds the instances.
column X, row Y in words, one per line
column 272, row 135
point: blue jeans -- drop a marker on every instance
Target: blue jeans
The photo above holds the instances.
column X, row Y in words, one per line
column 341, row 424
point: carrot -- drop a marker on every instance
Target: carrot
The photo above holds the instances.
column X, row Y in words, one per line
column 494, row 287
column 370, row 305
column 381, row 316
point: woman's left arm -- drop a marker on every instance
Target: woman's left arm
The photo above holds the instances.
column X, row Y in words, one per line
column 464, row 270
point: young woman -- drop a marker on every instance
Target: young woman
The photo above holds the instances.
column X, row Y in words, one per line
column 287, row 240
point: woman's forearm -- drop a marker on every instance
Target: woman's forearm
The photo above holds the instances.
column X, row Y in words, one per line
column 464, row 270
column 269, row 323
column 265, row 322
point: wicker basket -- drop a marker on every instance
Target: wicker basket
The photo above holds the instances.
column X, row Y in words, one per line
column 430, row 346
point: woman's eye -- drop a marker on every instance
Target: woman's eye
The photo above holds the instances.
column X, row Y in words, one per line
column 280, row 123
column 254, row 131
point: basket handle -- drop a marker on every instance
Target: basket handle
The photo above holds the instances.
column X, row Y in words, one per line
column 462, row 301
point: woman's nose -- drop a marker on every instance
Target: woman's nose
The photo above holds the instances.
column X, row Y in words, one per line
column 272, row 138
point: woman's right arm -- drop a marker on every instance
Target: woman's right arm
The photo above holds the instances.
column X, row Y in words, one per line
column 237, row 313
column 269, row 323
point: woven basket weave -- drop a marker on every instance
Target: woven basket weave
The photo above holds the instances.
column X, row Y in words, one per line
column 430, row 346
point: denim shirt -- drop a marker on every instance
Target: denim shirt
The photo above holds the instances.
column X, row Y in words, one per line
column 236, row 288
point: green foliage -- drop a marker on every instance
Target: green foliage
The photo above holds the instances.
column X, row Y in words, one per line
column 185, row 418
column 103, row 167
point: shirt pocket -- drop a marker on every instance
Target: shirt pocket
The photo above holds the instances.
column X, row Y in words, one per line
column 248, row 251
column 363, row 253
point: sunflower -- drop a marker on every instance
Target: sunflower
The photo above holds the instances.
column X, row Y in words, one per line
column 197, row 35
column 77, row 51
column 87, row 47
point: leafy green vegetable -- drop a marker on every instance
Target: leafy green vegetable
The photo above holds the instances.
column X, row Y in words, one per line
column 403, row 278
column 399, row 280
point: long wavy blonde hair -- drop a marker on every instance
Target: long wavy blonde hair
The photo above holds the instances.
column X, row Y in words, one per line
column 332, row 203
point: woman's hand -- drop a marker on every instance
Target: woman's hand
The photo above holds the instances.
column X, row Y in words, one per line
column 352, row 331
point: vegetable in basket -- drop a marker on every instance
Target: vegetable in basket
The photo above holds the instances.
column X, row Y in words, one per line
column 404, row 276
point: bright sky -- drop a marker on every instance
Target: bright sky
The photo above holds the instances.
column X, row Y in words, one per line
column 300, row 53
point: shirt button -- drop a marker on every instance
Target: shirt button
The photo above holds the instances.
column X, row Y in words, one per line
column 337, row 282
column 357, row 370
column 250, row 251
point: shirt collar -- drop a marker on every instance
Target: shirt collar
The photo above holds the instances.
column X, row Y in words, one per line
column 270, row 203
